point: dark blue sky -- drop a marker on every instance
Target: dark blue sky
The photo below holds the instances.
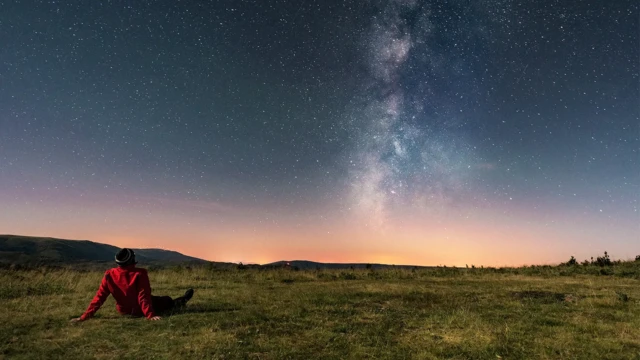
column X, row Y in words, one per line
column 380, row 110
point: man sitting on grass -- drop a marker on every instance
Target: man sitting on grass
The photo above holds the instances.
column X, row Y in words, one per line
column 130, row 287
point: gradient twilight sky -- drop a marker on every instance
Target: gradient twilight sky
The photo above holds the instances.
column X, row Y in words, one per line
column 493, row 132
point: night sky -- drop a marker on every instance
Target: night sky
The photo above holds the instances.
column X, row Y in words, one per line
column 409, row 132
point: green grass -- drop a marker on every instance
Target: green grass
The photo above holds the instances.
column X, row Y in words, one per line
column 543, row 313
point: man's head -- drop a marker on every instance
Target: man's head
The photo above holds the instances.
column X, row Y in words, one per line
column 125, row 257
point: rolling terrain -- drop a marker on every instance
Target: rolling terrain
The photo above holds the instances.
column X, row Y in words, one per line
column 27, row 250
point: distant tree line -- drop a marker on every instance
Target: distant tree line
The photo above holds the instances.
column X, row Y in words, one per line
column 601, row 261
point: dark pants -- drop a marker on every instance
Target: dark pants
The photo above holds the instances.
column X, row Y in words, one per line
column 162, row 304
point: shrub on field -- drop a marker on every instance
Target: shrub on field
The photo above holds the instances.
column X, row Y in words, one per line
column 604, row 260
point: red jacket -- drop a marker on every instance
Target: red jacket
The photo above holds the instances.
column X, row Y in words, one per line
column 130, row 287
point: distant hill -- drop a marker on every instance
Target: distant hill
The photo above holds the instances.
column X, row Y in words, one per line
column 39, row 250
column 311, row 265
column 28, row 250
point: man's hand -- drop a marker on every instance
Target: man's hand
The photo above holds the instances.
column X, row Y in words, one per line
column 77, row 320
column 155, row 318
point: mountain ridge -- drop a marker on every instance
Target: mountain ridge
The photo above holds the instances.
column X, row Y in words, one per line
column 307, row 264
column 21, row 249
column 36, row 250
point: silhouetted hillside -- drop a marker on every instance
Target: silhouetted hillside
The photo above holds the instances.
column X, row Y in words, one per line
column 37, row 250
column 305, row 265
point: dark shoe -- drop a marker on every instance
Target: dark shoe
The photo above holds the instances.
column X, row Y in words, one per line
column 188, row 295
column 182, row 300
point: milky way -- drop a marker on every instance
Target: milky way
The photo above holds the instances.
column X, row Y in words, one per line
column 401, row 161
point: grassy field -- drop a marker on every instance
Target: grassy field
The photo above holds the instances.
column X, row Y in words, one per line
column 350, row 314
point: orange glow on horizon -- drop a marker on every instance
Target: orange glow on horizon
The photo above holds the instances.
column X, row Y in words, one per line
column 482, row 238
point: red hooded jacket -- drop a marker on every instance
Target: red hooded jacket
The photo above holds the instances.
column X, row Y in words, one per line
column 130, row 287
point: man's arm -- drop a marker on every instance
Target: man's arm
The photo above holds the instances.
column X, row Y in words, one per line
column 144, row 295
column 101, row 295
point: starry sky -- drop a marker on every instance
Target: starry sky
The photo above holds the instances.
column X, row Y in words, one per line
column 444, row 132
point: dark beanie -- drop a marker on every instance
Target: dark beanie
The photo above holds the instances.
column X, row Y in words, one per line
column 125, row 257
